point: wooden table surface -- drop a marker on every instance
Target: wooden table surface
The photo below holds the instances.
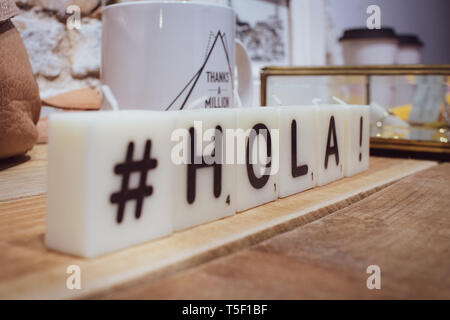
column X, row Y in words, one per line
column 404, row 229
column 316, row 244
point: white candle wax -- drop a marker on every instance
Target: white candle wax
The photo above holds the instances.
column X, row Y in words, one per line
column 330, row 143
column 109, row 180
column 357, row 139
column 118, row 178
column 257, row 176
column 204, row 187
column 297, row 149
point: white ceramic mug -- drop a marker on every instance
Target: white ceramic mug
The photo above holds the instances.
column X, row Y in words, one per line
column 173, row 56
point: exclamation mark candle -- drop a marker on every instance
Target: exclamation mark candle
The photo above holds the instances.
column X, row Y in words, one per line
column 297, row 149
column 357, row 139
column 330, row 143
column 204, row 181
column 257, row 156
column 109, row 180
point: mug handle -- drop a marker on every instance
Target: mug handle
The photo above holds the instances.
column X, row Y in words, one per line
column 245, row 78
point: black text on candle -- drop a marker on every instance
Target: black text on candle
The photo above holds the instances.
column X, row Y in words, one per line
column 360, row 136
column 196, row 163
column 297, row 171
column 125, row 169
column 332, row 150
column 258, row 129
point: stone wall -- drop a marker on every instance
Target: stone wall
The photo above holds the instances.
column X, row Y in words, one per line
column 62, row 58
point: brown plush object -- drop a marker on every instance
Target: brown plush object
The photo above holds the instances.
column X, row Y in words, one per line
column 20, row 104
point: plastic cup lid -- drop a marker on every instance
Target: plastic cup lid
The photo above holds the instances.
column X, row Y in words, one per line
column 409, row 40
column 364, row 33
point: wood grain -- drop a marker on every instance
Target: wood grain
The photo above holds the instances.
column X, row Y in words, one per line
column 29, row 270
column 25, row 175
column 80, row 99
column 404, row 229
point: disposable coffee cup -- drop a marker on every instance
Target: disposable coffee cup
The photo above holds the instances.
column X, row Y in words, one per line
column 409, row 52
column 372, row 47
column 409, row 49
column 369, row 47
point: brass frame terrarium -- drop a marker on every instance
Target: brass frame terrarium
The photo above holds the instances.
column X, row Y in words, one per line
column 436, row 146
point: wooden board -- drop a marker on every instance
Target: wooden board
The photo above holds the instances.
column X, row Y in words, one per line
column 80, row 99
column 404, row 229
column 24, row 176
column 29, row 270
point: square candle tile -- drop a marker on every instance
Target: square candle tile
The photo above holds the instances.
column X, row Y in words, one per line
column 330, row 143
column 204, row 183
column 109, row 180
column 297, row 147
column 257, row 156
column 357, row 139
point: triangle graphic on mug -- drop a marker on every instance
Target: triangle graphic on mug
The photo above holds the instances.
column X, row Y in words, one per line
column 210, row 72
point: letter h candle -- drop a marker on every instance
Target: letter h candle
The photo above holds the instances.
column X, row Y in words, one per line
column 204, row 182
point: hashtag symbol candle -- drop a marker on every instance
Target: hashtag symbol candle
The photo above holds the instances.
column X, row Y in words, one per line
column 125, row 169
column 109, row 181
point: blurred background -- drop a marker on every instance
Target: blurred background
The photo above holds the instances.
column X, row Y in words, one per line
column 66, row 56
column 428, row 19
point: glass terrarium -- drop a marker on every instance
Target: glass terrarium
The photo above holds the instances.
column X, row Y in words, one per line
column 409, row 103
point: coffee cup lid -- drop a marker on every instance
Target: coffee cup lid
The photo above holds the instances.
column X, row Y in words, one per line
column 409, row 40
column 364, row 33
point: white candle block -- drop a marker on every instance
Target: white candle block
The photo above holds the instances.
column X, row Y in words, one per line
column 297, row 149
column 204, row 186
column 330, row 143
column 357, row 139
column 257, row 156
column 109, row 180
